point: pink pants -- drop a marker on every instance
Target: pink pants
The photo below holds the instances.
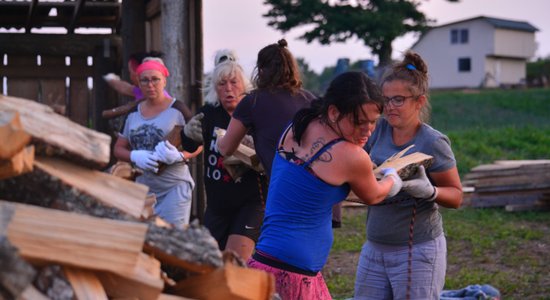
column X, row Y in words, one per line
column 290, row 285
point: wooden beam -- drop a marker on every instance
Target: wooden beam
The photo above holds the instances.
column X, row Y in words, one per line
column 30, row 16
column 39, row 72
column 77, row 12
column 53, row 44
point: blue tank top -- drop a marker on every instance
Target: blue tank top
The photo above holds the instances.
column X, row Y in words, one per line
column 297, row 227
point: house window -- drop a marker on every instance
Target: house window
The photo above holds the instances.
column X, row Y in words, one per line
column 464, row 64
column 463, row 36
column 459, row 36
column 454, row 36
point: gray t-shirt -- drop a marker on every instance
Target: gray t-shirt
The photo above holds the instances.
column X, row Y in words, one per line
column 388, row 223
column 144, row 134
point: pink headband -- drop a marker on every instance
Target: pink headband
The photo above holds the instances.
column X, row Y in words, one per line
column 152, row 65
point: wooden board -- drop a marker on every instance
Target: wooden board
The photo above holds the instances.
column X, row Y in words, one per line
column 59, row 135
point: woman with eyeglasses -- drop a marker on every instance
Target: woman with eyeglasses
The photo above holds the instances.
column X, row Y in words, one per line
column 405, row 256
column 142, row 143
column 234, row 209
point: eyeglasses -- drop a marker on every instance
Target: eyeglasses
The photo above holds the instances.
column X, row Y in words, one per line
column 396, row 101
column 224, row 58
column 145, row 81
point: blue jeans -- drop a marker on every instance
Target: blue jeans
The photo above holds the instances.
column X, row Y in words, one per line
column 382, row 272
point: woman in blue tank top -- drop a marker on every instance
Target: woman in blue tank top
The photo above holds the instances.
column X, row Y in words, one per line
column 320, row 158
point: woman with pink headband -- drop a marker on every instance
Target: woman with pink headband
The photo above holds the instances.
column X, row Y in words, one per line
column 142, row 143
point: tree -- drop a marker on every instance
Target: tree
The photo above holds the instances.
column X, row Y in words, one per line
column 376, row 22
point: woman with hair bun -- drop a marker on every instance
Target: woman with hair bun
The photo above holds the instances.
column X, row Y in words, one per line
column 405, row 255
column 267, row 110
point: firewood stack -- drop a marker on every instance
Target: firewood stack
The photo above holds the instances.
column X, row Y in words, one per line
column 70, row 231
column 516, row 185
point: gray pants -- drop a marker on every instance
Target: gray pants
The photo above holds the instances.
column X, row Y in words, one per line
column 382, row 272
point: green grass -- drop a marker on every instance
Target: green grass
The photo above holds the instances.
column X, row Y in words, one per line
column 507, row 250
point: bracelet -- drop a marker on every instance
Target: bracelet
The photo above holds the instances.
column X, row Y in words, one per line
column 434, row 195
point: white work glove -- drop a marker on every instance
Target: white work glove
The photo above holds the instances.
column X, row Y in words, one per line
column 111, row 76
column 145, row 160
column 193, row 128
column 167, row 153
column 397, row 182
column 419, row 186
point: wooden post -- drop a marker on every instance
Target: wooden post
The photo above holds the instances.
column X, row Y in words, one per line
column 132, row 32
column 181, row 26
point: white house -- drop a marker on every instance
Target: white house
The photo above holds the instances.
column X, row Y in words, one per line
column 477, row 52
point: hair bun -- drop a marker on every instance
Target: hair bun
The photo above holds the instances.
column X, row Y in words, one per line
column 282, row 43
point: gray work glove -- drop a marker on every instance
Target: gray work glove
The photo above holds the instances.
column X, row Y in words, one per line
column 419, row 186
column 397, row 182
column 193, row 128
column 167, row 153
column 145, row 160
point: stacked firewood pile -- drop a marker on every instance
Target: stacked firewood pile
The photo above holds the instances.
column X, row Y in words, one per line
column 516, row 185
column 70, row 231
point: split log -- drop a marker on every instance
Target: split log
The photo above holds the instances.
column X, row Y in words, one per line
column 54, row 284
column 143, row 282
column 20, row 163
column 229, row 282
column 55, row 183
column 47, row 235
column 193, row 248
column 56, row 135
column 16, row 275
column 406, row 165
column 13, row 136
column 244, row 153
column 121, row 110
column 85, row 284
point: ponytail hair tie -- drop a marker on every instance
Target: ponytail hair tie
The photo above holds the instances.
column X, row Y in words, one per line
column 410, row 67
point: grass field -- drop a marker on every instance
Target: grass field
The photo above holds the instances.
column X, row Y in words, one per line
column 510, row 251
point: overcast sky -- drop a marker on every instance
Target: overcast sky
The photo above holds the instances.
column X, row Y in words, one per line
column 239, row 25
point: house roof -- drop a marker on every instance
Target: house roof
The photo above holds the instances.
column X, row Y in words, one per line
column 498, row 23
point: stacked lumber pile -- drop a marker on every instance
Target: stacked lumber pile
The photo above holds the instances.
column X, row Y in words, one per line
column 516, row 185
column 70, row 231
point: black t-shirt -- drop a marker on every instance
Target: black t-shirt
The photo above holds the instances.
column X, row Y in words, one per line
column 222, row 192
